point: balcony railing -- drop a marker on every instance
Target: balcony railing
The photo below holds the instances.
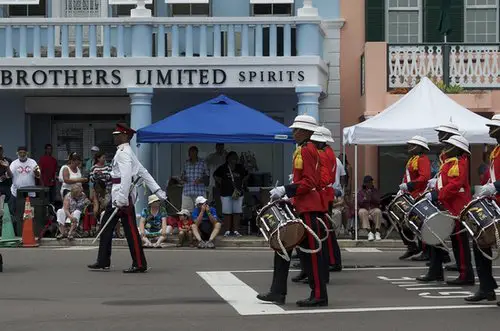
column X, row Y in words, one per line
column 467, row 65
column 171, row 37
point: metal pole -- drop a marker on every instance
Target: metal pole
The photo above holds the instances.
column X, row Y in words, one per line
column 356, row 192
column 157, row 161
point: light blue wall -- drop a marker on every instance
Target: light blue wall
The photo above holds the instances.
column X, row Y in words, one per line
column 12, row 125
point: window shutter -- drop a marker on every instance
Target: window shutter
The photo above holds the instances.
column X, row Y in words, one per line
column 375, row 20
column 432, row 14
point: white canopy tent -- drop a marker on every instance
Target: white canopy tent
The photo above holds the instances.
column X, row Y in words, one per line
column 419, row 112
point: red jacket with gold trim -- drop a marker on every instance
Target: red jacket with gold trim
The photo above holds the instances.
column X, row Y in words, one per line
column 327, row 171
column 417, row 174
column 453, row 188
column 306, row 179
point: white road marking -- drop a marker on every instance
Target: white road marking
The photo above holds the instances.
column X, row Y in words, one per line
column 238, row 294
column 363, row 250
column 343, row 269
column 243, row 299
column 433, row 288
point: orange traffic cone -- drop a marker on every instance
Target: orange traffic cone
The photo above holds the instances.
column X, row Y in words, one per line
column 28, row 233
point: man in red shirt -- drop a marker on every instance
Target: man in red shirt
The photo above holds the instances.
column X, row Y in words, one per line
column 304, row 192
column 452, row 192
column 488, row 284
column 48, row 168
column 417, row 174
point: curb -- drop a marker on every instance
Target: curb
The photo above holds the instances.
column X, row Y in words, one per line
column 226, row 242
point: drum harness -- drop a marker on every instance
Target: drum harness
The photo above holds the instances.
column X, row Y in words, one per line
column 497, row 235
column 444, row 246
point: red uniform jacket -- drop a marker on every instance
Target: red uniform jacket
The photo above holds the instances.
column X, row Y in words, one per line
column 418, row 173
column 495, row 170
column 453, row 185
column 327, row 170
column 306, row 179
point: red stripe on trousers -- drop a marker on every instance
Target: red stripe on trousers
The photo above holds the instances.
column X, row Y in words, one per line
column 314, row 257
column 329, row 241
column 134, row 237
column 461, row 253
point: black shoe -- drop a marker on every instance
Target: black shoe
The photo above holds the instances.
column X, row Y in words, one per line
column 97, row 266
column 271, row 297
column 312, row 303
column 461, row 282
column 480, row 296
column 408, row 253
column 429, row 278
column 451, row 267
column 299, row 278
column 421, row 257
column 335, row 268
column 134, row 270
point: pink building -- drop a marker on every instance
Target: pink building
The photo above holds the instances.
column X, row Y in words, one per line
column 386, row 45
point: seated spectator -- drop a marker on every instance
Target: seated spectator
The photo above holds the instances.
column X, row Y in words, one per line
column 369, row 208
column 153, row 223
column 73, row 205
column 206, row 224
column 173, row 224
column 185, row 228
column 337, row 211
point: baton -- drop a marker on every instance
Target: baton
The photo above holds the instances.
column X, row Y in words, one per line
column 115, row 210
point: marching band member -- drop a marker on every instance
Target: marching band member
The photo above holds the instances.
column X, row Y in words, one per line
column 335, row 262
column 452, row 191
column 488, row 284
column 125, row 168
column 417, row 174
column 328, row 167
column 306, row 199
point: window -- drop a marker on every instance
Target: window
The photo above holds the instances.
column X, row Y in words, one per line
column 481, row 21
column 404, row 19
column 124, row 10
column 272, row 9
column 28, row 10
column 189, row 7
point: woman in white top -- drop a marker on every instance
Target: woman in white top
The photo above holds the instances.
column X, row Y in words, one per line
column 70, row 174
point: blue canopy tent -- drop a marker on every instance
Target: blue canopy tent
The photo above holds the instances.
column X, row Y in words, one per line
column 227, row 121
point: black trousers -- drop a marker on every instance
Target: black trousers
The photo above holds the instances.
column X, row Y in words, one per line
column 127, row 216
column 314, row 264
column 461, row 251
column 484, row 269
column 436, row 262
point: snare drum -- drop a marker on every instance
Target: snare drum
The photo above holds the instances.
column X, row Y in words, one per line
column 479, row 217
column 429, row 223
column 279, row 223
column 399, row 207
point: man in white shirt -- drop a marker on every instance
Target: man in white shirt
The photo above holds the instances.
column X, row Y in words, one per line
column 23, row 172
column 340, row 176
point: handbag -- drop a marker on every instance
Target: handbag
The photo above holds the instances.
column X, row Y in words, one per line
column 236, row 193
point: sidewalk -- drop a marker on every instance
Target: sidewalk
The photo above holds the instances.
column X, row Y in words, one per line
column 246, row 241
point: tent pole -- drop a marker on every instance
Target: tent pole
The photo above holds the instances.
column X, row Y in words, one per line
column 356, row 192
column 157, row 161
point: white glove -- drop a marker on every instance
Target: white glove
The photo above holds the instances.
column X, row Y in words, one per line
column 428, row 196
column 162, row 195
column 403, row 187
column 431, row 183
column 486, row 190
column 121, row 202
column 277, row 192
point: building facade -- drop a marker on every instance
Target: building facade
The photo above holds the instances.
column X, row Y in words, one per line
column 71, row 68
column 387, row 45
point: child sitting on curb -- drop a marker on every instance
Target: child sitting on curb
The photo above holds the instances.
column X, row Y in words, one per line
column 184, row 226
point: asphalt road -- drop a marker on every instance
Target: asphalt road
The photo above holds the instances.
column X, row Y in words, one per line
column 51, row 289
